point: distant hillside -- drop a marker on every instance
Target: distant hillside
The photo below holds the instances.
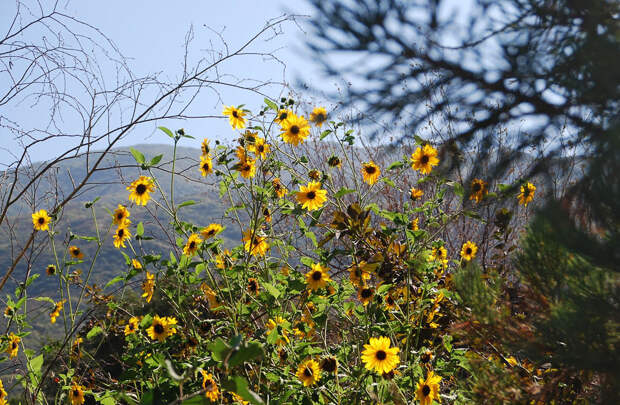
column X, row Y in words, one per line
column 106, row 184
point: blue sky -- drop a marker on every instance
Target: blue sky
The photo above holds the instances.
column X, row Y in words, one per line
column 151, row 35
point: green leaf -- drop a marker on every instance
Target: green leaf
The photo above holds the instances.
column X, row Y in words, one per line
column 140, row 229
column 167, row 131
column 239, row 386
column 156, row 160
column 31, row 279
column 271, row 104
column 246, row 352
column 96, row 330
column 187, row 203
column 307, row 261
column 388, row 181
column 114, row 281
column 312, row 237
column 344, row 191
column 219, row 349
column 396, row 165
column 325, row 133
column 271, row 290
column 137, row 155
column 36, row 364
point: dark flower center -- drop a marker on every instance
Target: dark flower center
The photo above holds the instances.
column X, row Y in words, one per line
column 424, row 159
column 311, row 195
column 294, row 130
column 206, row 166
column 121, row 232
column 370, row 169
column 317, row 275
column 366, row 293
column 211, row 232
column 308, row 372
column 209, row 385
column 76, row 393
column 426, row 390
column 158, row 328
column 14, row 345
column 76, row 252
column 119, row 216
column 192, row 245
column 283, row 116
column 320, row 117
column 234, row 114
column 381, row 355
column 426, row 357
column 131, row 327
column 477, row 187
column 41, row 220
column 261, row 148
column 329, row 365
column 140, row 189
column 468, row 251
column 253, row 286
column 390, row 300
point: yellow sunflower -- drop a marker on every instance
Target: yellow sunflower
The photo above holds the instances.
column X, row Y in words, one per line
column 3, row 394
column 132, row 326
column 206, row 165
column 148, row 286
column 140, row 190
column 379, row 356
column 389, row 302
column 415, row 194
column 247, row 168
column 162, row 327
column 439, row 254
column 210, row 295
column 56, row 312
column 13, row 347
column 121, row 215
column 415, row 224
column 308, row 372
column 278, row 326
column 210, row 386
column 469, row 250
column 359, row 274
column 428, row 390
column 41, row 220
column 204, row 147
column 253, row 286
column 254, row 243
column 76, row 394
column 211, row 230
column 50, row 270
column 295, row 129
column 370, row 172
column 192, row 245
column 317, row 277
column 478, row 190
column 314, row 174
column 365, row 295
column 260, row 148
column 311, row 197
column 136, row 264
column 318, row 116
column 334, row 161
column 267, row 214
column 76, row 252
column 235, row 117
column 279, row 188
column 424, row 158
column 283, row 115
column 527, row 194
column 121, row 235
